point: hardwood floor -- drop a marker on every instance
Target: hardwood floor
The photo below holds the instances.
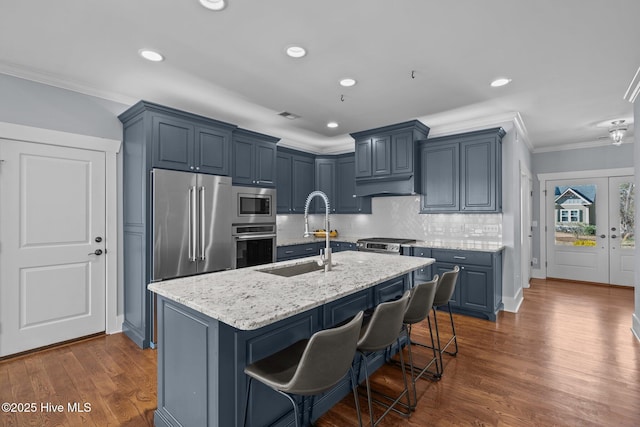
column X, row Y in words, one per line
column 567, row 358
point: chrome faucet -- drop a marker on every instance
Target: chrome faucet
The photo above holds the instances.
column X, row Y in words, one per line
column 325, row 258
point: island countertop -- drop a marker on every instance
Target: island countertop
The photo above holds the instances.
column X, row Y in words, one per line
column 249, row 299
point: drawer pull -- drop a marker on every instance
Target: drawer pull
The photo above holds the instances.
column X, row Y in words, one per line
column 459, row 257
column 288, row 252
column 309, row 249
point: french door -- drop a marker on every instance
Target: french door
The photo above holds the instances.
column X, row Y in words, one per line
column 52, row 231
column 590, row 229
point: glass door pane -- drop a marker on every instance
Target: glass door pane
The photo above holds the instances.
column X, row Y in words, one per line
column 626, row 226
column 575, row 215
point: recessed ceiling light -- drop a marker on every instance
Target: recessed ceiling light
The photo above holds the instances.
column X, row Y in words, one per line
column 151, row 55
column 332, row 125
column 347, row 82
column 500, row 82
column 296, row 51
column 214, row 4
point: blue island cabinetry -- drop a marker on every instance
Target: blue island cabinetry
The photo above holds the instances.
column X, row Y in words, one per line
column 201, row 357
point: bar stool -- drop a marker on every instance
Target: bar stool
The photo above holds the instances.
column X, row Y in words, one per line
column 310, row 367
column 446, row 286
column 418, row 309
column 378, row 333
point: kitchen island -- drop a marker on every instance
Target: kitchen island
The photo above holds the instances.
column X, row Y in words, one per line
column 211, row 326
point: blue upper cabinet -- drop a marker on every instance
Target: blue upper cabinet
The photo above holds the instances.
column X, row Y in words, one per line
column 254, row 159
column 462, row 173
column 326, row 182
column 295, row 180
column 346, row 199
column 213, row 149
column 187, row 142
column 386, row 159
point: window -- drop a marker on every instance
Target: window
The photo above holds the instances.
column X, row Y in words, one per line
column 570, row 215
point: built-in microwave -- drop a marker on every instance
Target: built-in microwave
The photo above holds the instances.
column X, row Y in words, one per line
column 254, row 205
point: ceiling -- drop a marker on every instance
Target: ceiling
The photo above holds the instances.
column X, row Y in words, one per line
column 570, row 62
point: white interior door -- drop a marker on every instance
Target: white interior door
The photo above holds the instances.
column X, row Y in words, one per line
column 621, row 231
column 52, row 230
column 590, row 229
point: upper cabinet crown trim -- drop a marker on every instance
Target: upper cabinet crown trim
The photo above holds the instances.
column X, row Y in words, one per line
column 142, row 106
column 414, row 124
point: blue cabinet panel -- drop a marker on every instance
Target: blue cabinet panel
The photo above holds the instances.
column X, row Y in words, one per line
column 462, row 173
column 440, row 178
column 213, row 149
column 254, row 159
column 173, row 143
column 326, row 182
column 346, row 200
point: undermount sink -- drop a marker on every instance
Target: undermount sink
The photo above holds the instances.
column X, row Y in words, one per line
column 294, row 270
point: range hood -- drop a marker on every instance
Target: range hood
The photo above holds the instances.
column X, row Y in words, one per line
column 388, row 159
column 385, row 187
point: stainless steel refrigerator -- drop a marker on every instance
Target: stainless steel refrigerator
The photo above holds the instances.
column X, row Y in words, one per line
column 191, row 228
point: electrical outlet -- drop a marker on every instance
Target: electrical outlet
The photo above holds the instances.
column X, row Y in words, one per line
column 490, row 228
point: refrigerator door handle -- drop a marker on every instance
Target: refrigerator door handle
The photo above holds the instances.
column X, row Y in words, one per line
column 202, row 224
column 192, row 224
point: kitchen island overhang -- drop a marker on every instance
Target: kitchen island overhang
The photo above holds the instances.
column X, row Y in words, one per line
column 212, row 325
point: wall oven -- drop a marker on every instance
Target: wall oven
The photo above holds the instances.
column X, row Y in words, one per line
column 253, row 244
column 253, row 205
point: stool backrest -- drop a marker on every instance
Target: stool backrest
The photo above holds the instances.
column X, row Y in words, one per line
column 446, row 286
column 384, row 326
column 326, row 359
column 421, row 301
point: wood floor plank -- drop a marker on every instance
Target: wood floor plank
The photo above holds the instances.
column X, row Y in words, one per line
column 567, row 358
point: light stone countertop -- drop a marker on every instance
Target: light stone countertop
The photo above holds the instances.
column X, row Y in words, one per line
column 249, row 299
column 462, row 245
column 466, row 245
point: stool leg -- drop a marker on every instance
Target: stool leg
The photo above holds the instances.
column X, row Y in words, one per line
column 453, row 330
column 439, row 348
column 354, row 388
column 246, row 405
column 366, row 380
column 413, row 378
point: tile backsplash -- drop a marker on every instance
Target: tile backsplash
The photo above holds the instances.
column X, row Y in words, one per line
column 398, row 217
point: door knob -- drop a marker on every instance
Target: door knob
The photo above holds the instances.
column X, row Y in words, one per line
column 98, row 239
column 613, row 236
column 602, row 236
column 96, row 252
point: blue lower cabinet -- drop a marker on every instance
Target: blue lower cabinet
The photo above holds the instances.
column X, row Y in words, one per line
column 285, row 253
column 342, row 246
column 479, row 288
column 201, row 380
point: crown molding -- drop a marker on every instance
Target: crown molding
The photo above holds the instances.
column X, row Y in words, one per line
column 58, row 81
column 634, row 88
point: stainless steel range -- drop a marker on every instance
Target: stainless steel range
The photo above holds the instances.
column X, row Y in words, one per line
column 385, row 245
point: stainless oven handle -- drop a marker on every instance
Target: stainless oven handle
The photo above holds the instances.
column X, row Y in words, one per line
column 254, row 236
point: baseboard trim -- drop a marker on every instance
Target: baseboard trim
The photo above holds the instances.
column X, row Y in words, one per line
column 635, row 328
column 512, row 305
